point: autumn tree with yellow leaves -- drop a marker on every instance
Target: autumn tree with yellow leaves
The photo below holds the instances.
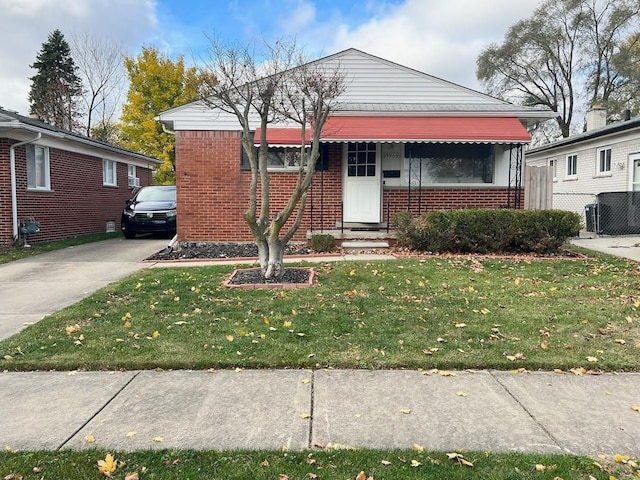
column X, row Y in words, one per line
column 157, row 83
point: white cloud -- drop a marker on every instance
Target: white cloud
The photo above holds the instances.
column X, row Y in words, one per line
column 439, row 37
column 26, row 24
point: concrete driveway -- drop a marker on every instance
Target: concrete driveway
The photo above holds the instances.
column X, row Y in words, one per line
column 40, row 285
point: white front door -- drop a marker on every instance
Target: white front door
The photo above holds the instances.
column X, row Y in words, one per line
column 362, row 190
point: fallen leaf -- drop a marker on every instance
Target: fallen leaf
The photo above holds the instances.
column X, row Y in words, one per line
column 415, row 463
column 540, row 468
column 107, row 466
column 229, row 338
column 132, row 476
column 131, row 434
column 305, row 381
column 156, row 334
column 405, row 411
column 636, row 408
column 621, row 458
column 386, row 463
column 592, row 359
column 460, row 393
column 460, row 325
column 282, row 476
column 418, row 448
column 89, row 439
column 485, row 311
column 265, row 464
column 158, row 439
column 304, row 415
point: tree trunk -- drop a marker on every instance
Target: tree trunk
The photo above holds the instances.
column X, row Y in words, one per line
column 271, row 256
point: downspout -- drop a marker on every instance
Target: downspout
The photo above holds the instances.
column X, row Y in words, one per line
column 14, row 194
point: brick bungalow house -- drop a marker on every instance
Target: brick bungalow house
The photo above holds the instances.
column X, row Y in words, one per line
column 71, row 184
column 400, row 140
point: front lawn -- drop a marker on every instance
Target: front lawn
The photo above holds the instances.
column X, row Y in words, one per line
column 321, row 465
column 444, row 313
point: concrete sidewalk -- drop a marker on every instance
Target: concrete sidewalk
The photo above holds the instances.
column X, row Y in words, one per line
column 299, row 409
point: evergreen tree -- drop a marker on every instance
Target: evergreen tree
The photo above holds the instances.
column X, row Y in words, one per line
column 56, row 87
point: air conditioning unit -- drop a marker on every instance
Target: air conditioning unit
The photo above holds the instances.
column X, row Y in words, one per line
column 133, row 181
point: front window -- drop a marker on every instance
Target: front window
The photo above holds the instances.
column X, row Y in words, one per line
column 286, row 158
column 604, row 160
column 38, row 176
column 572, row 165
column 426, row 163
column 109, row 173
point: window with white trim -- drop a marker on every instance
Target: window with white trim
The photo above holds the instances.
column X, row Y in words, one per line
column 604, row 160
column 109, row 176
column 132, row 177
column 286, row 158
column 38, row 168
column 553, row 163
column 572, row 165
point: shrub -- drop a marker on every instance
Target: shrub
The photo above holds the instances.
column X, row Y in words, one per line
column 323, row 242
column 488, row 231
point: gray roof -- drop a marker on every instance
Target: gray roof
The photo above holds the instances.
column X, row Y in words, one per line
column 8, row 116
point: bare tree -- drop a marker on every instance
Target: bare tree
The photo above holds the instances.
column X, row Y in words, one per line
column 100, row 65
column 609, row 24
column 566, row 53
column 275, row 86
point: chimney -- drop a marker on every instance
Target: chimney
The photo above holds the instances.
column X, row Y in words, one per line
column 596, row 117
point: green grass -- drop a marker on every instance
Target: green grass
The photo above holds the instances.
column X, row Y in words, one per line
column 324, row 465
column 445, row 313
column 9, row 254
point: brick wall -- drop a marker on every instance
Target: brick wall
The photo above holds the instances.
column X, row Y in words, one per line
column 78, row 203
column 213, row 191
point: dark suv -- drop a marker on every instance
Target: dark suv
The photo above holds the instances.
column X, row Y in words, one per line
column 151, row 210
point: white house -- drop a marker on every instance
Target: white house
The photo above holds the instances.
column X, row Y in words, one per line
column 589, row 167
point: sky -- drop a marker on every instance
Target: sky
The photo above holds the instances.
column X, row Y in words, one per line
column 439, row 37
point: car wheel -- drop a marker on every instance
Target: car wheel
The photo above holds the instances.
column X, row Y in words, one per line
column 129, row 233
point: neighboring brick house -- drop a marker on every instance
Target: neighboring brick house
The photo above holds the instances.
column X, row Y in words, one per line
column 400, row 140
column 590, row 167
column 71, row 184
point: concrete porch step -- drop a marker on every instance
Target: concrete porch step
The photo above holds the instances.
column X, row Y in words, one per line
column 354, row 245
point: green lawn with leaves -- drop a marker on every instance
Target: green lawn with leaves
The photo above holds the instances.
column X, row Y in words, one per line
column 321, row 465
column 439, row 312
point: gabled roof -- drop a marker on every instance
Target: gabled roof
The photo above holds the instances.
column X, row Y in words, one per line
column 611, row 129
column 374, row 84
column 14, row 125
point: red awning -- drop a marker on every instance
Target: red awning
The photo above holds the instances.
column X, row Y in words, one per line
column 409, row 129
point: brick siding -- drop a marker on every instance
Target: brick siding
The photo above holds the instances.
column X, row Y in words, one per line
column 78, row 203
column 213, row 191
